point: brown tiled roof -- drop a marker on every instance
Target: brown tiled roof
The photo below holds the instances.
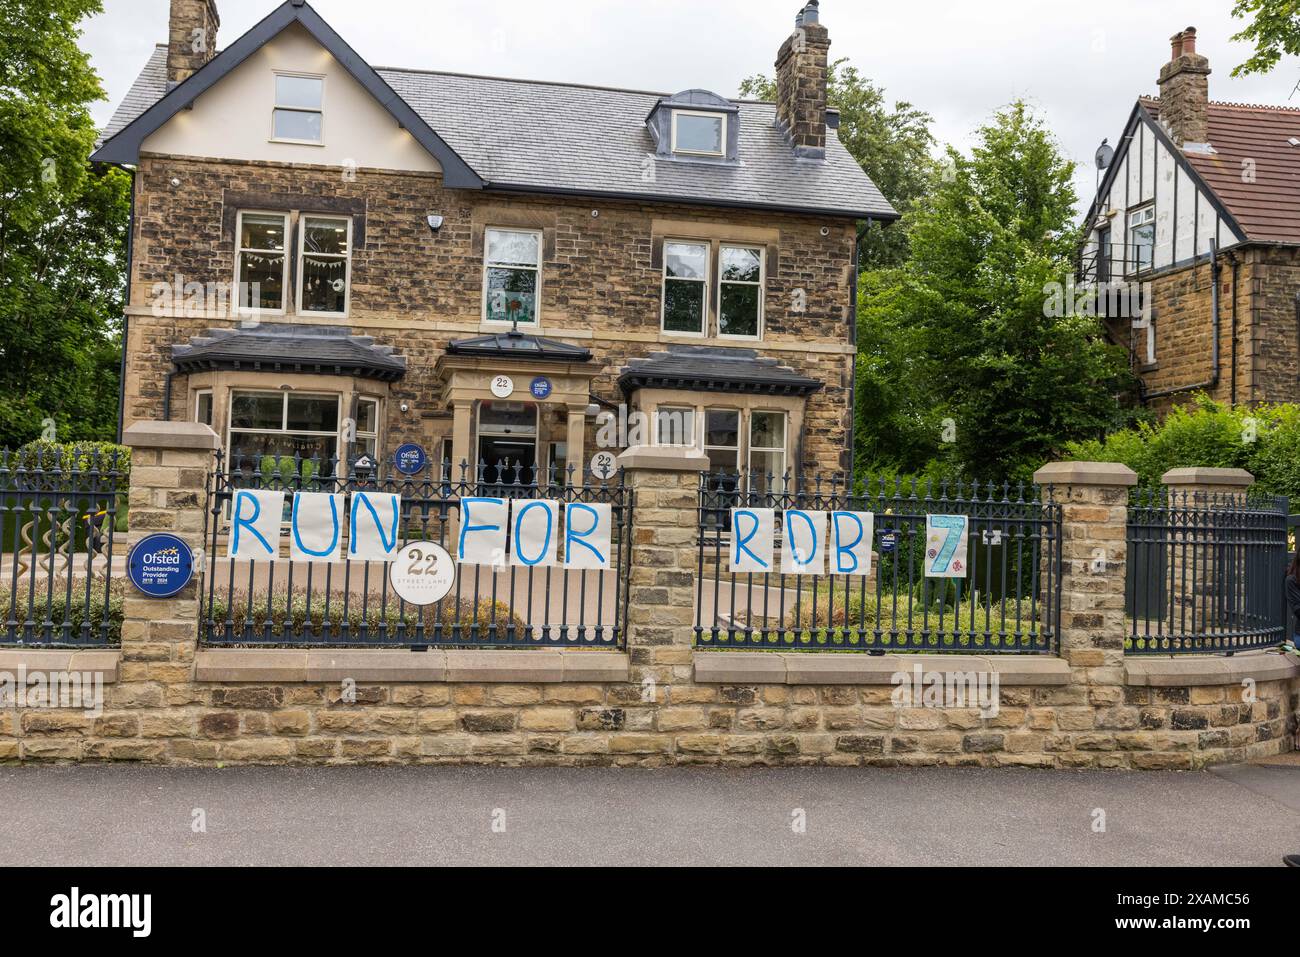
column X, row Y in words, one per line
column 1267, row 207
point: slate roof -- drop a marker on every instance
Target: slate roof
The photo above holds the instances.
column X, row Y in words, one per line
column 290, row 348
column 520, row 346
column 1266, row 207
column 559, row 138
column 709, row 369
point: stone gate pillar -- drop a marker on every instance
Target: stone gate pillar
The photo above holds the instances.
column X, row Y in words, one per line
column 170, row 462
column 661, row 607
column 1094, row 513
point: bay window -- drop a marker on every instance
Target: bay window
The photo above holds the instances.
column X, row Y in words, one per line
column 767, row 446
column 367, row 428
column 268, row 426
column 675, row 425
column 512, row 267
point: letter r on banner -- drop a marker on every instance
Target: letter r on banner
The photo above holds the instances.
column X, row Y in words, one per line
column 752, row 535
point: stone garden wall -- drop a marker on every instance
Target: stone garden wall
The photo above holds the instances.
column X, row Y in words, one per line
column 660, row 702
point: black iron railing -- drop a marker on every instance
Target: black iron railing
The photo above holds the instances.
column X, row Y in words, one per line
column 350, row 603
column 1007, row 601
column 1205, row 572
column 57, row 514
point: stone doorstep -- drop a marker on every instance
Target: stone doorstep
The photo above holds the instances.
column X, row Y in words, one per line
column 288, row 666
column 813, row 668
column 44, row 661
column 1159, row 672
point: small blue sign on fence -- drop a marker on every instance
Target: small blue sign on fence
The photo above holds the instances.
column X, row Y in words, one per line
column 541, row 387
column 410, row 459
column 160, row 565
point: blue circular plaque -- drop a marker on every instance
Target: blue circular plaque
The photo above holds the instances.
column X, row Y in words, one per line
column 160, row 565
column 410, row 459
column 541, row 387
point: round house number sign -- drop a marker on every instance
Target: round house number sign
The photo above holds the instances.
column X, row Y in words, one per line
column 422, row 573
column 503, row 387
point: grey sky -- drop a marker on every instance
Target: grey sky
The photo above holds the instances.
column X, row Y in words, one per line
column 1082, row 64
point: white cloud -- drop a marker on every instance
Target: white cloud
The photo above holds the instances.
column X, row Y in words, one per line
column 1083, row 65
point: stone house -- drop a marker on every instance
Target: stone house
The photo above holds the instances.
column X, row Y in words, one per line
column 1192, row 252
column 332, row 259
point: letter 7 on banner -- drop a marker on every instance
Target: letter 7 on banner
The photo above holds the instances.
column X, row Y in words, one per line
column 482, row 539
column 946, row 539
column 316, row 528
column 752, row 535
column 852, row 534
column 804, row 549
column 373, row 528
column 255, row 525
column 535, row 529
column 588, row 535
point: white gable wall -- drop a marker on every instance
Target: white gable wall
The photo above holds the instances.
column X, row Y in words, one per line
column 232, row 120
column 1186, row 219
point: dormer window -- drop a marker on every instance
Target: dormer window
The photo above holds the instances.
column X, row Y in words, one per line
column 699, row 134
column 297, row 114
column 695, row 126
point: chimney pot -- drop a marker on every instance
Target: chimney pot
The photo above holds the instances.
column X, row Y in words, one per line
column 1176, row 46
column 1189, row 41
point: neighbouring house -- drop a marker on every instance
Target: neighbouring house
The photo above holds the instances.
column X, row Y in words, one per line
column 1193, row 244
column 330, row 258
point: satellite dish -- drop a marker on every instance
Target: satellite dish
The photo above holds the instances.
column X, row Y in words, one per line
column 1105, row 154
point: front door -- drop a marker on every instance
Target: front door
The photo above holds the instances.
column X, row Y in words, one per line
column 507, row 441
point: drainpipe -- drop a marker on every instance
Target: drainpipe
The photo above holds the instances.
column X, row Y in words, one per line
column 126, row 302
column 167, row 396
column 853, row 341
column 1232, row 366
column 1213, row 380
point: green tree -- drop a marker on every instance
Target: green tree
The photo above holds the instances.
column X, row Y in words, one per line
column 62, row 231
column 893, row 144
column 1274, row 28
column 963, row 364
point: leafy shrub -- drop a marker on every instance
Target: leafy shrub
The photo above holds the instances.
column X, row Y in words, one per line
column 80, row 455
column 52, row 604
column 1264, row 440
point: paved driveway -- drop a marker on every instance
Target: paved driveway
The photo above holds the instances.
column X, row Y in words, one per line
column 139, row 815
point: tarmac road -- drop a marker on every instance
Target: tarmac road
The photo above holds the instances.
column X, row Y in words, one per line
column 103, row 815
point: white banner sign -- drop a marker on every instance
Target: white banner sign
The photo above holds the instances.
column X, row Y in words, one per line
column 255, row 525
column 752, row 536
column 482, row 539
column 588, row 535
column 316, row 527
column 804, row 549
column 534, row 531
column 373, row 527
column 851, row 536
column 945, row 546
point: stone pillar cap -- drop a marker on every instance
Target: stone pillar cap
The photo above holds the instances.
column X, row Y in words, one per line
column 664, row 458
column 1086, row 473
column 1231, row 478
column 171, row 435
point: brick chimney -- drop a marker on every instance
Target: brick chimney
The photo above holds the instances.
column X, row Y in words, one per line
column 801, row 83
column 1185, row 91
column 191, row 37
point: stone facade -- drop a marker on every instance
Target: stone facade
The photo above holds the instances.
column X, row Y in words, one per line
column 1256, row 283
column 662, row 702
column 414, row 290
